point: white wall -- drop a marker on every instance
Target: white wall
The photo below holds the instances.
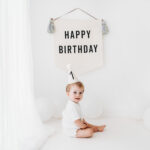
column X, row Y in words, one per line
column 123, row 84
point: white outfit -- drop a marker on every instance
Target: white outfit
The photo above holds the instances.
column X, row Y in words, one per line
column 71, row 113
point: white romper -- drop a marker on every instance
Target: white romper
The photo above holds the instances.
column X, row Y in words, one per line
column 71, row 113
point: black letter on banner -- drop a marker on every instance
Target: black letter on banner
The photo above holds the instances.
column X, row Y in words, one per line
column 85, row 48
column 74, row 46
column 90, row 49
column 72, row 35
column 82, row 33
column 69, row 49
column 60, row 49
column 79, row 48
column 95, row 46
column 88, row 33
column 66, row 34
column 77, row 33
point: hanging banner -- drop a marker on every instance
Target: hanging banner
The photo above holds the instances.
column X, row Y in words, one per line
column 79, row 43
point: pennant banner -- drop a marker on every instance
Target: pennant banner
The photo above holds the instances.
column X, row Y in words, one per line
column 79, row 43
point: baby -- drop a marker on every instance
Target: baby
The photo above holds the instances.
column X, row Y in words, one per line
column 73, row 123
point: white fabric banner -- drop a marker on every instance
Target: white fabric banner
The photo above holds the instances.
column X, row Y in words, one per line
column 79, row 43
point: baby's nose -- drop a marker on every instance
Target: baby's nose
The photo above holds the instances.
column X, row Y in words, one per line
column 78, row 94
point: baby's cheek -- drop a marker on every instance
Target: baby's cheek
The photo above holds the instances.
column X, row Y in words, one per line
column 73, row 96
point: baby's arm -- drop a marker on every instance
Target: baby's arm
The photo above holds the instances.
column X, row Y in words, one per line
column 79, row 123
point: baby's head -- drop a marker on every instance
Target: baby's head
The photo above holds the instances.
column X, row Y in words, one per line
column 75, row 91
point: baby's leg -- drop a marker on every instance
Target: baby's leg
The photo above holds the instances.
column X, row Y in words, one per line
column 95, row 128
column 84, row 133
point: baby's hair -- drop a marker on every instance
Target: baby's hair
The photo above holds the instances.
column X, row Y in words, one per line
column 79, row 84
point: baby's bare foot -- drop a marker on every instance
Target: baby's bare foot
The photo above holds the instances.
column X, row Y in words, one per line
column 101, row 128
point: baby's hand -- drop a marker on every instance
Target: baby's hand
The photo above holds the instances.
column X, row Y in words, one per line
column 84, row 121
column 83, row 126
column 80, row 124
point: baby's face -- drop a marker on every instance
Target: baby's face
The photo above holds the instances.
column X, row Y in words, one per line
column 75, row 94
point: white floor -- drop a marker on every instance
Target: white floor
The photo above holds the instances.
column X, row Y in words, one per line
column 120, row 134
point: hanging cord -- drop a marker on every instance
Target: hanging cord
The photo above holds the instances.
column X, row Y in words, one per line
column 73, row 11
column 51, row 27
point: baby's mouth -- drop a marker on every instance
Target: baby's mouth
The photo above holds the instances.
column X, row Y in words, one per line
column 77, row 98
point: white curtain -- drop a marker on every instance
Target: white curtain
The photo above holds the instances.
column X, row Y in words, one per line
column 20, row 126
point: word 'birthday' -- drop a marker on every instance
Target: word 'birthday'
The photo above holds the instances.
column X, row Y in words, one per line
column 78, row 49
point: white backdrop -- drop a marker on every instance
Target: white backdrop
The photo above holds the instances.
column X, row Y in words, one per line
column 123, row 83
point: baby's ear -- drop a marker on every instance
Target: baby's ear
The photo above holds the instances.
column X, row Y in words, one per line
column 67, row 93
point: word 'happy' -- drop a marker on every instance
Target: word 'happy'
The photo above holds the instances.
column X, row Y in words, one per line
column 76, row 34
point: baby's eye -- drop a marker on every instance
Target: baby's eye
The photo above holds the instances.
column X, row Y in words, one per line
column 80, row 93
column 75, row 92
